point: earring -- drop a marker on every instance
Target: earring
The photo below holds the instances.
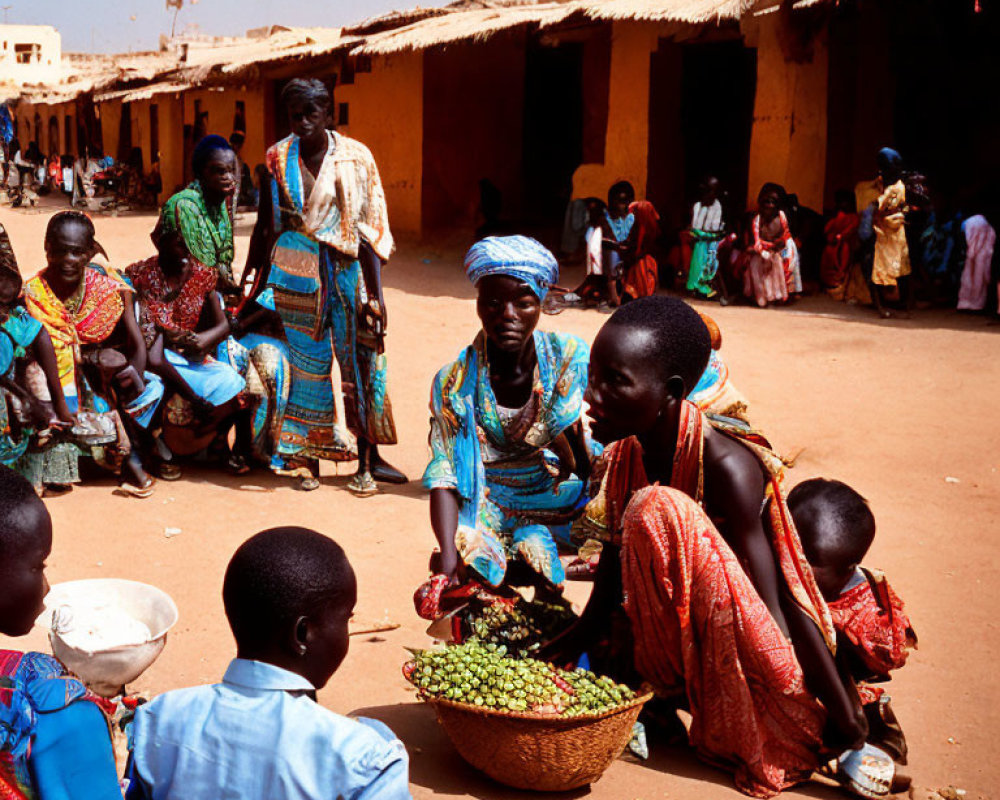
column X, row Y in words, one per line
column 302, row 649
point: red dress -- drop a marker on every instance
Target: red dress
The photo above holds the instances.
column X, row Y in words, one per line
column 871, row 617
column 698, row 624
column 161, row 308
column 835, row 264
column 643, row 274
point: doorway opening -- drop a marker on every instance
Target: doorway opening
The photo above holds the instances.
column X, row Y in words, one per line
column 700, row 120
column 553, row 129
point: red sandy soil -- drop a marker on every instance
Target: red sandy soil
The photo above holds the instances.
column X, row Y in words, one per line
column 893, row 408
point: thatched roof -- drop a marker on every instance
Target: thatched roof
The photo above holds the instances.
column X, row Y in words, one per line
column 394, row 19
column 287, row 45
column 693, row 11
column 93, row 73
column 465, row 24
column 146, row 92
column 146, row 75
column 480, row 19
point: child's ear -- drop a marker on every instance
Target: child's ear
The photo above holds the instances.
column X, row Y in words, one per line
column 300, row 636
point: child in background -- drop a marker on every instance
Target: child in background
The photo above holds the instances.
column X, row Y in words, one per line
column 874, row 635
column 706, row 231
column 260, row 734
column 841, row 242
column 642, row 273
column 618, row 222
column 56, row 742
column 595, row 287
column 773, row 269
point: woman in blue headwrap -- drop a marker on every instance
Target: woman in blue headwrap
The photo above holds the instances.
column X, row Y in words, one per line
column 509, row 456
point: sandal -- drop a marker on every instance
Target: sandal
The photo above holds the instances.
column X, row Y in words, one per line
column 362, row 485
column 307, row 481
column 867, row 772
column 169, row 472
column 139, row 492
column 237, row 464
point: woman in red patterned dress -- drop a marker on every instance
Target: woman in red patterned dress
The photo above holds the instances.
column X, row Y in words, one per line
column 182, row 322
column 722, row 608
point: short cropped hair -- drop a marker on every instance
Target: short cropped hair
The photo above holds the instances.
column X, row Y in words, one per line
column 64, row 218
column 299, row 91
column 618, row 188
column 279, row 575
column 842, row 526
column 16, row 496
column 681, row 341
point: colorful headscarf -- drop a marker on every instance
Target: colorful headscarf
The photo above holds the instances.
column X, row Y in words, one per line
column 520, row 257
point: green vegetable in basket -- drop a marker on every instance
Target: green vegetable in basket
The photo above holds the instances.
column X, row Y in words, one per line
column 486, row 675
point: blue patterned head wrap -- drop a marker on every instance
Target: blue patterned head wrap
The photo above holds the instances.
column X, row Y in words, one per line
column 520, row 257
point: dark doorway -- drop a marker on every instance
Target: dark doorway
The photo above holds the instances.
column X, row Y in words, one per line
column 68, row 133
column 916, row 80
column 154, row 133
column 700, row 120
column 553, row 129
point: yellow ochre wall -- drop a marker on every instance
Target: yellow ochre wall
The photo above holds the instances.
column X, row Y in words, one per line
column 788, row 143
column 110, row 114
column 171, row 113
column 626, row 146
column 386, row 113
column 221, row 108
column 25, row 113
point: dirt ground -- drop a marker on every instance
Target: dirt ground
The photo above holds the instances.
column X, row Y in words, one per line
column 905, row 411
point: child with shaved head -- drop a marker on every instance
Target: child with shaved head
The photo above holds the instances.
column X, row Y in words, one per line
column 288, row 595
column 874, row 635
column 54, row 738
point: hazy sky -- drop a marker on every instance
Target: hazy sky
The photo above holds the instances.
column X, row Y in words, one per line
column 121, row 25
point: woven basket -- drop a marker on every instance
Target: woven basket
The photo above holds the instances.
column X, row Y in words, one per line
column 533, row 751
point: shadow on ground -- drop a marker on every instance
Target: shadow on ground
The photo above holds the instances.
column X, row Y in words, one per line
column 436, row 765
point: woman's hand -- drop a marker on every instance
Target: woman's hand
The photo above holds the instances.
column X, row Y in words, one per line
column 192, row 345
column 373, row 316
column 41, row 414
column 129, row 383
column 560, row 446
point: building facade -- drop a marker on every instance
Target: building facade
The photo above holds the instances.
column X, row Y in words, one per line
column 30, row 54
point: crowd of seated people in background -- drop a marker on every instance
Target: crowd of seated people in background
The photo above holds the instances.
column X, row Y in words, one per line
column 892, row 243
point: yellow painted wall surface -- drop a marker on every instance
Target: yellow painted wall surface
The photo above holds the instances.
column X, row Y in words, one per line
column 171, row 110
column 140, row 129
column 26, row 131
column 626, row 146
column 386, row 113
column 221, row 108
column 111, row 116
column 788, row 144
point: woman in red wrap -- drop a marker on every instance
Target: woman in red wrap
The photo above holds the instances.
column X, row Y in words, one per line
column 701, row 554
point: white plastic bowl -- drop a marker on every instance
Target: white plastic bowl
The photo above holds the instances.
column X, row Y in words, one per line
column 106, row 671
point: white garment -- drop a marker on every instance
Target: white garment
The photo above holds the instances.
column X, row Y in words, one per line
column 707, row 218
column 595, row 255
column 980, row 239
